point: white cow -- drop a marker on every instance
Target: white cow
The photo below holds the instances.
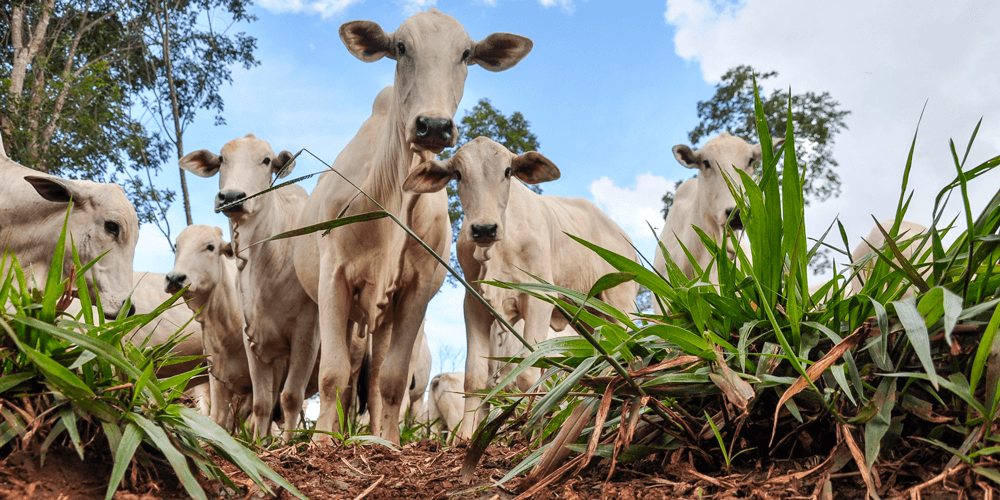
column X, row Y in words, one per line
column 508, row 229
column 204, row 263
column 907, row 231
column 32, row 210
column 505, row 345
column 372, row 273
column 280, row 318
column 420, row 374
column 444, row 401
column 706, row 201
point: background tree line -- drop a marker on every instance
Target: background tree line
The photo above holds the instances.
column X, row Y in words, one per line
column 104, row 89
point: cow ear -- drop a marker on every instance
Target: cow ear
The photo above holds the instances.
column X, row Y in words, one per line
column 283, row 164
column 533, row 168
column 500, row 51
column 366, row 41
column 226, row 249
column 429, row 177
column 202, row 163
column 54, row 189
column 775, row 146
column 686, row 156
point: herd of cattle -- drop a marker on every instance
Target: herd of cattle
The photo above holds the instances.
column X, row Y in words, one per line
column 341, row 314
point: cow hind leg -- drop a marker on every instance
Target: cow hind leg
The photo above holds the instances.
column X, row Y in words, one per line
column 305, row 347
column 334, row 362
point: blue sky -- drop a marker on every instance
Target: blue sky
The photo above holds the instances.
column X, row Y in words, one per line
column 610, row 87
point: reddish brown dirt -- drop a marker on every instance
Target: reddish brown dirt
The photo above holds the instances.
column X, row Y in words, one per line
column 424, row 470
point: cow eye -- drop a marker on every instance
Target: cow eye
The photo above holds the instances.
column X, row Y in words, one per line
column 112, row 228
column 221, row 160
column 506, row 173
column 458, row 176
column 267, row 161
column 466, row 55
column 400, row 49
column 707, row 164
column 210, row 247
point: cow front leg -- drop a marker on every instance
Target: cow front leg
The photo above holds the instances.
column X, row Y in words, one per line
column 537, row 316
column 477, row 334
column 380, row 348
column 221, row 411
column 263, row 378
column 304, row 348
column 334, row 362
column 393, row 377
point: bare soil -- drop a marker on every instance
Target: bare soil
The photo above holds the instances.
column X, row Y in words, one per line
column 425, row 470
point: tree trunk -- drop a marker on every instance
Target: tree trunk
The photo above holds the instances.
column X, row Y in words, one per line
column 178, row 131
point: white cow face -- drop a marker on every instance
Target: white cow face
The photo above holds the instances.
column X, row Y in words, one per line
column 198, row 262
column 483, row 169
column 247, row 166
column 433, row 53
column 102, row 220
column 723, row 154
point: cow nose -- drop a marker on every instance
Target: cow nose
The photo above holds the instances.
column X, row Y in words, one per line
column 484, row 231
column 735, row 222
column 112, row 317
column 226, row 197
column 434, row 128
column 175, row 282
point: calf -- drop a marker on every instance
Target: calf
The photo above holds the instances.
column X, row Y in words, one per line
column 204, row 263
column 706, row 202
column 508, row 228
column 32, row 212
column 444, row 403
column 280, row 317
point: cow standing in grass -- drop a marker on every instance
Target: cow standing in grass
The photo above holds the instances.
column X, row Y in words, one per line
column 509, row 229
column 204, row 263
column 706, row 202
column 373, row 273
column 280, row 318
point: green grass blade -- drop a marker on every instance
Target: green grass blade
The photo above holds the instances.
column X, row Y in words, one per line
column 916, row 332
column 177, row 460
column 123, row 457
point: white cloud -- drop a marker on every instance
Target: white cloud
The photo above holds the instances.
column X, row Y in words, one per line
column 411, row 7
column 634, row 208
column 881, row 61
column 566, row 5
column 325, row 8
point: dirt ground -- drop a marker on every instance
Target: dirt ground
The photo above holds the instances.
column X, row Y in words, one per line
column 425, row 470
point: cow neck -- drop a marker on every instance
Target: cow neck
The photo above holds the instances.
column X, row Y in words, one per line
column 221, row 316
column 390, row 163
column 266, row 222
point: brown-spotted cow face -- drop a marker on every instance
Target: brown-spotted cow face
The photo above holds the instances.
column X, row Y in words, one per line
column 199, row 262
column 246, row 166
column 433, row 53
column 718, row 157
column 484, row 171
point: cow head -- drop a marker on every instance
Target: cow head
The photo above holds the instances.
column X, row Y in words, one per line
column 247, row 166
column 721, row 155
column 102, row 220
column 433, row 53
column 198, row 263
column 484, row 171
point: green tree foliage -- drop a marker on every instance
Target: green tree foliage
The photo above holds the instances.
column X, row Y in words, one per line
column 68, row 87
column 487, row 121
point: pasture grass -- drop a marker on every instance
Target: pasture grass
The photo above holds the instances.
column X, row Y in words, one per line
column 756, row 367
column 79, row 382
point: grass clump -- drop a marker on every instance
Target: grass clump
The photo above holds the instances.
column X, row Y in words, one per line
column 756, row 368
column 78, row 380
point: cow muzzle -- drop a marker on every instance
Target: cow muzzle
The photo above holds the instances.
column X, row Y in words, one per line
column 433, row 134
column 484, row 234
column 175, row 282
column 735, row 222
column 228, row 202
